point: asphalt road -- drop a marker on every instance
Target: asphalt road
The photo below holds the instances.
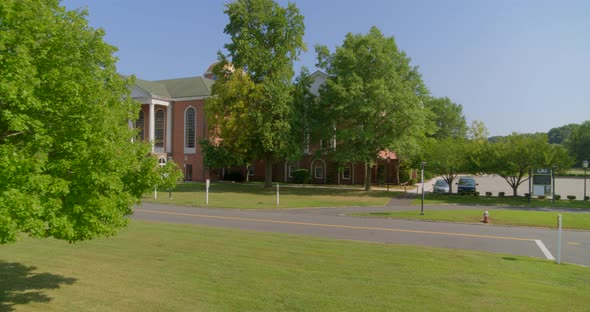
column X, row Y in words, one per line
column 333, row 223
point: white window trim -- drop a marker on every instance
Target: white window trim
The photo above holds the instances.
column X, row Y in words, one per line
column 159, row 149
column 251, row 171
column 315, row 171
column 189, row 150
column 349, row 173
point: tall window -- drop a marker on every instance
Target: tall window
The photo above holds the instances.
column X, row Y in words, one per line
column 139, row 124
column 159, row 127
column 190, row 127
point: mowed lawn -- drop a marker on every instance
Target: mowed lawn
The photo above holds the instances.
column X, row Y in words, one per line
column 570, row 220
column 255, row 196
column 166, row 267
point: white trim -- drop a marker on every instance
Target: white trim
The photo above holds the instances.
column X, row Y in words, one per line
column 161, row 149
column 164, row 101
column 168, row 143
column 189, row 150
column 312, row 169
column 151, row 125
column 349, row 174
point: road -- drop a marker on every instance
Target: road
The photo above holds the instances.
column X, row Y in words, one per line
column 334, row 223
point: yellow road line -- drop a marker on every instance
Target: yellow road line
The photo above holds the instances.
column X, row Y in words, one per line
column 572, row 243
column 335, row 225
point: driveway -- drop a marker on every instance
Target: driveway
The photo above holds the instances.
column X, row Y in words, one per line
column 334, row 223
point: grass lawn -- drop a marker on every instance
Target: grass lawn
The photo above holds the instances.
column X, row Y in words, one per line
column 579, row 221
column 438, row 199
column 253, row 196
column 165, row 267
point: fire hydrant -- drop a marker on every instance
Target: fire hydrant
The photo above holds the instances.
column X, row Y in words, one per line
column 486, row 217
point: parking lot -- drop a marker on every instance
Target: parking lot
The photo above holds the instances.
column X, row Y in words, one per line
column 496, row 184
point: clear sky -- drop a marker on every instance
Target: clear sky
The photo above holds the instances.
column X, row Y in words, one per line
column 516, row 65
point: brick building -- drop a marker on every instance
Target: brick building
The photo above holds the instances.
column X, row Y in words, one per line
column 172, row 116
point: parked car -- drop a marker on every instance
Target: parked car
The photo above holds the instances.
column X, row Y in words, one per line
column 440, row 186
column 466, row 185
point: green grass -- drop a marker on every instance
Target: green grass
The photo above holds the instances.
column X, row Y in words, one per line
column 164, row 267
column 253, row 195
column 438, row 199
column 579, row 221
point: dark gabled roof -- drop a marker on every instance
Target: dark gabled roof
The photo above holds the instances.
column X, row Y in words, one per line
column 177, row 88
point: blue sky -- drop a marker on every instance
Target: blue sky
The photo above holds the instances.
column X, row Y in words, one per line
column 516, row 65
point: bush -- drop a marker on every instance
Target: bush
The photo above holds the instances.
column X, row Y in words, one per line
column 541, row 197
column 476, row 194
column 571, row 197
column 488, row 194
column 428, row 175
column 404, row 175
column 301, row 176
column 235, row 176
column 587, row 198
column 558, row 197
column 501, row 194
column 413, row 181
column 527, row 195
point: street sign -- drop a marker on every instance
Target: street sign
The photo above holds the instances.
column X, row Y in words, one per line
column 542, row 181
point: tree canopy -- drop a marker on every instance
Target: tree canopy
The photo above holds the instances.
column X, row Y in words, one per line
column 68, row 165
column 513, row 156
column 447, row 117
column 374, row 97
column 251, row 102
column 578, row 143
column 449, row 157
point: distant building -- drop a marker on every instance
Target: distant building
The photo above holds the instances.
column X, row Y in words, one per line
column 172, row 116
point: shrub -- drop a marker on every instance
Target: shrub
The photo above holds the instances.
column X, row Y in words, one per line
column 404, row 175
column 235, row 176
column 488, row 194
column 476, row 194
column 587, row 198
column 571, row 197
column 301, row 176
column 501, row 194
column 413, row 181
column 557, row 197
column 527, row 195
column 541, row 196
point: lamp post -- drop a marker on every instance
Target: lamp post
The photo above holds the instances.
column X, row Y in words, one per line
column 422, row 177
column 585, row 165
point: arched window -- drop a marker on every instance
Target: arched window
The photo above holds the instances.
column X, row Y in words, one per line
column 139, row 124
column 159, row 127
column 162, row 162
column 190, row 127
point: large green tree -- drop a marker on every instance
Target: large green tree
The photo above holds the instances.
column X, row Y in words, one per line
column 68, row 166
column 251, row 102
column 374, row 97
column 561, row 134
column 447, row 118
column 578, row 142
column 513, row 156
column 449, row 157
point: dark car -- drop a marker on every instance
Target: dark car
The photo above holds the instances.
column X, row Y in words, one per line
column 466, row 185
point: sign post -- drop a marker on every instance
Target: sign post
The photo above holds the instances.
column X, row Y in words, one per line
column 207, row 192
column 542, row 182
column 558, row 238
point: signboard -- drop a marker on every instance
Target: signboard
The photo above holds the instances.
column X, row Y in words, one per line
column 542, row 179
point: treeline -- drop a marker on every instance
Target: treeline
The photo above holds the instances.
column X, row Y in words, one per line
column 574, row 137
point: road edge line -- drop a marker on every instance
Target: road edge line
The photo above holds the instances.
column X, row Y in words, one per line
column 544, row 249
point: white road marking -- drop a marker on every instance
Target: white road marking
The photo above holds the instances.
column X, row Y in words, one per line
column 544, row 249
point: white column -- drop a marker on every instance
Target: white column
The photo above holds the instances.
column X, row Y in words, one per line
column 169, row 128
column 152, row 126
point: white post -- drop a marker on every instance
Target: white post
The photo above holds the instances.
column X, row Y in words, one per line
column 278, row 201
column 207, row 192
column 155, row 193
column 558, row 238
column 152, row 126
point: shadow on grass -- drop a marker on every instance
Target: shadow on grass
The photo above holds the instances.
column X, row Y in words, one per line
column 20, row 284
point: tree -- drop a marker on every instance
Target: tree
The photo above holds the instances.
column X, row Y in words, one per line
column 169, row 175
column 68, row 165
column 578, row 143
column 513, row 157
column 447, row 117
column 561, row 134
column 448, row 158
column 373, row 96
column 250, row 104
column 478, row 131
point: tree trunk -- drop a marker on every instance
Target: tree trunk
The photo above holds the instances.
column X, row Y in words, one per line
column 397, row 181
column 367, row 177
column 267, row 171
